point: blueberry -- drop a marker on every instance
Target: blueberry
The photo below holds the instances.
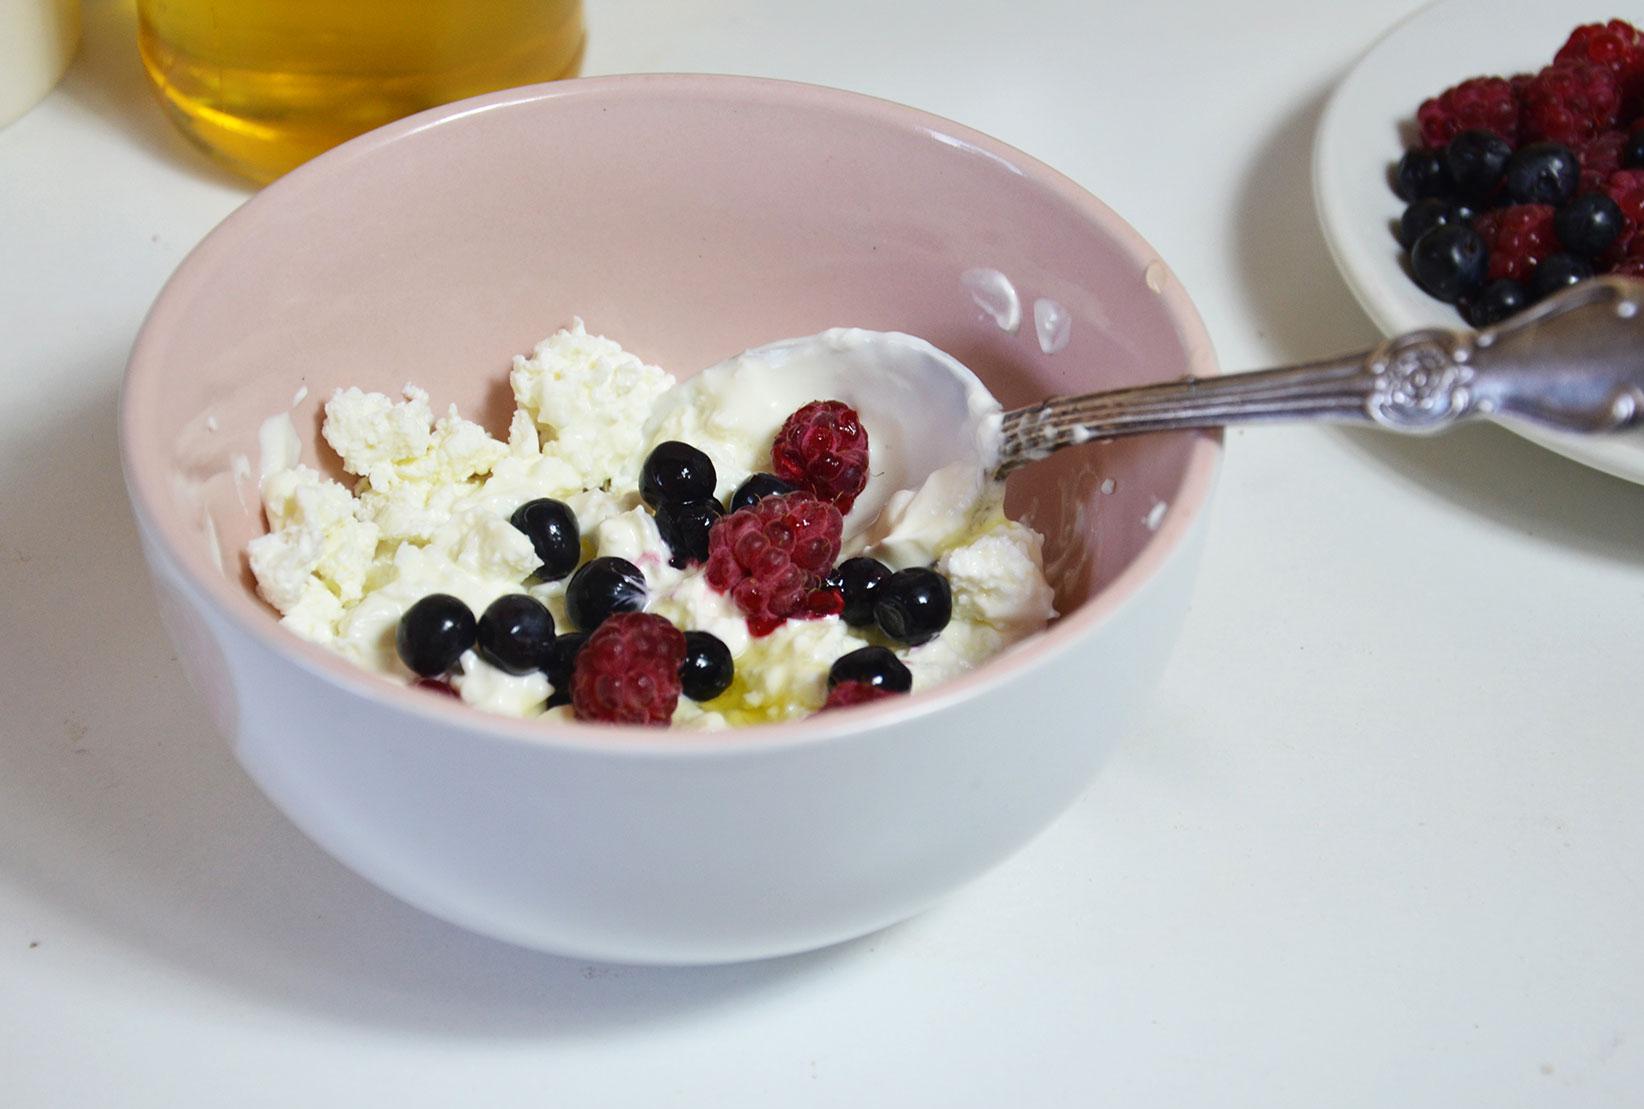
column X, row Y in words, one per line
column 1499, row 299
column 603, row 586
column 1421, row 173
column 560, row 662
column 1632, row 151
column 757, row 488
column 676, row 471
column 1449, row 262
column 433, row 632
column 515, row 633
column 552, row 528
column 1588, row 224
column 1476, row 160
column 1542, row 173
column 684, row 526
column 707, row 670
column 1558, row 271
column 912, row 605
column 875, row 665
column 859, row 580
column 1428, row 213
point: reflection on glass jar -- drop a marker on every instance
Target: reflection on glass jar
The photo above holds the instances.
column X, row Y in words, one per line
column 264, row 85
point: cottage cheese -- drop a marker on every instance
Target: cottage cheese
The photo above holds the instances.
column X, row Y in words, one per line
column 429, row 512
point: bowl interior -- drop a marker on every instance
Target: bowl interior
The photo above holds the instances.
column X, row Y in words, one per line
column 685, row 217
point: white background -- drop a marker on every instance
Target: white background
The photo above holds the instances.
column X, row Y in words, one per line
column 1378, row 842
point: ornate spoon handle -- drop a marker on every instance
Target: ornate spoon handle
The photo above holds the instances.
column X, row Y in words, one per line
column 1574, row 362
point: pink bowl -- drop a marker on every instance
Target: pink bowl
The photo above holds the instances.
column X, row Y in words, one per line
column 688, row 217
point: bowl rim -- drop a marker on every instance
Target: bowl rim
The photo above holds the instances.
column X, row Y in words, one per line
column 251, row 616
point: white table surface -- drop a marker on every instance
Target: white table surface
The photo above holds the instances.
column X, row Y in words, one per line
column 1379, row 841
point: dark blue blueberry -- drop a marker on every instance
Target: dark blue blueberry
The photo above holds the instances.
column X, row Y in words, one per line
column 913, row 605
column 1449, row 262
column 515, row 633
column 875, row 665
column 1542, row 173
column 433, row 632
column 676, row 471
column 707, row 670
column 1428, row 213
column 602, row 586
column 1558, row 271
column 757, row 488
column 561, row 661
column 1421, row 173
column 552, row 528
column 1476, row 161
column 859, row 580
column 684, row 526
column 1588, row 224
column 1499, row 299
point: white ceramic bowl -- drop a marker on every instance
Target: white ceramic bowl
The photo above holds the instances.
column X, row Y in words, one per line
column 687, row 217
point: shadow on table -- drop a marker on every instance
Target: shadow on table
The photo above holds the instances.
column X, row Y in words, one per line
column 107, row 79
column 1303, row 307
column 119, row 804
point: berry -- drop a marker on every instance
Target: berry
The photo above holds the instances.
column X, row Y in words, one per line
column 1499, row 299
column 1482, row 103
column 1571, row 103
column 707, row 670
column 828, row 600
column 757, row 487
column 1517, row 239
column 1428, row 213
column 433, row 633
column 1600, row 158
column 1559, row 271
column 515, row 633
column 1626, row 188
column 436, row 685
column 1476, row 160
column 858, row 580
column 913, row 605
column 823, row 449
column 676, row 471
column 846, row 694
column 771, row 555
column 1629, row 267
column 1616, row 45
column 601, row 587
column 684, row 526
column 559, row 665
column 872, row 666
column 1449, row 262
column 1420, row 174
column 628, row 671
column 1588, row 224
column 1632, row 150
column 552, row 528
column 1542, row 173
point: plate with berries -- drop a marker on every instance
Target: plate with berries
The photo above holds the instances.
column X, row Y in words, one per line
column 1481, row 155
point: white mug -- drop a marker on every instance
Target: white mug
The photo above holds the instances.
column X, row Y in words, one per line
column 37, row 39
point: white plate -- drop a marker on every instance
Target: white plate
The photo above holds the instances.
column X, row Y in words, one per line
column 1361, row 135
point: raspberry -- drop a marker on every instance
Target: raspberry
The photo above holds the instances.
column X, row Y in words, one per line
column 1599, row 159
column 846, row 694
column 771, row 558
column 628, row 671
column 1518, row 237
column 1571, row 103
column 1481, row 103
column 1631, row 267
column 1626, row 188
column 823, row 449
column 435, row 685
column 1616, row 45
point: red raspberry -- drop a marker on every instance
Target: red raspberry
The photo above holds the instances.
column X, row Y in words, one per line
column 823, row 449
column 435, row 685
column 1571, row 103
column 1480, row 103
column 628, row 671
column 1518, row 236
column 1626, row 188
column 1628, row 267
column 1599, row 159
column 771, row 558
column 1616, row 45
column 846, row 694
